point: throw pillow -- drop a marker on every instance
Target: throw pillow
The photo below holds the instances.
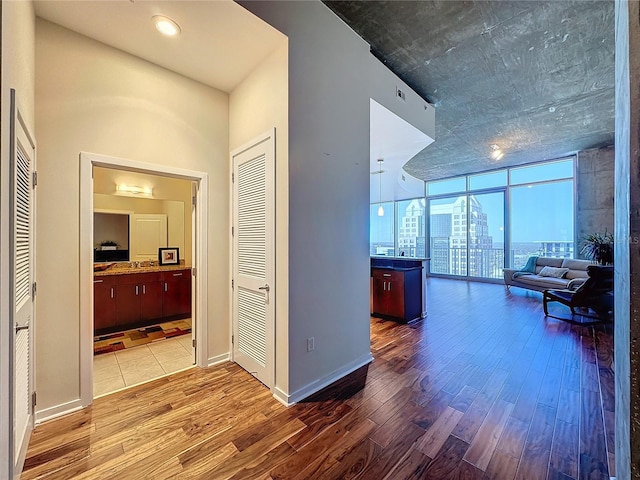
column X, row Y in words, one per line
column 555, row 272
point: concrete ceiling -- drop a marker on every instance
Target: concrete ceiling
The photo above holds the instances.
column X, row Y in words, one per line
column 220, row 42
column 535, row 78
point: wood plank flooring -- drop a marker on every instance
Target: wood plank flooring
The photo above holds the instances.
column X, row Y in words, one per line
column 485, row 388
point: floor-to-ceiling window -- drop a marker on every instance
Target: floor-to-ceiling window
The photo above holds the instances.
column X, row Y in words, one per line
column 466, row 235
column 475, row 225
column 397, row 229
column 382, row 231
column 486, row 235
column 541, row 211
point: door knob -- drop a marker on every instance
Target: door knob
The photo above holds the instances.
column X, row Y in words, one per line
column 266, row 287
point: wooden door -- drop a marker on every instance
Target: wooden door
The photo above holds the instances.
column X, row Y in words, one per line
column 150, row 300
column 128, row 304
column 253, row 247
column 176, row 300
column 104, row 303
column 395, row 295
column 379, row 292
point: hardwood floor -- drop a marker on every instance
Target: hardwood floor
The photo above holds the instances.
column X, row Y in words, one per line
column 485, row 388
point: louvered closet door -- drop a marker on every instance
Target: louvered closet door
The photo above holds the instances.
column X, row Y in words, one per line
column 22, row 280
column 253, row 258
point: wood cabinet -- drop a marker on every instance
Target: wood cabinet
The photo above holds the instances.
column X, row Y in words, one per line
column 127, row 304
column 104, row 298
column 176, row 297
column 150, row 301
column 138, row 299
column 397, row 293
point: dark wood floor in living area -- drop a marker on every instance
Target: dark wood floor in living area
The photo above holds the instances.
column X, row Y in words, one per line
column 485, row 387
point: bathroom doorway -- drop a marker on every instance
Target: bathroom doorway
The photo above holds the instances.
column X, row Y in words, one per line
column 141, row 331
column 148, row 317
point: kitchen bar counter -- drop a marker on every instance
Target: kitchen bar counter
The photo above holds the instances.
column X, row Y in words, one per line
column 398, row 287
column 398, row 268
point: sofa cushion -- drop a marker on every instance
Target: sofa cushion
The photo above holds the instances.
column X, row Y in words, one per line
column 555, row 272
column 573, row 264
column 549, row 262
column 577, row 268
column 544, row 282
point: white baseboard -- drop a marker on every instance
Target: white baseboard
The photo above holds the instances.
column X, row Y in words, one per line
column 58, row 410
column 218, row 359
column 321, row 383
column 282, row 397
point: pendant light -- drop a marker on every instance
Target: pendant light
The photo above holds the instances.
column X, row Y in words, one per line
column 380, row 209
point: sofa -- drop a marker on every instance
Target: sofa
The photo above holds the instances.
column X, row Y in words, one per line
column 573, row 275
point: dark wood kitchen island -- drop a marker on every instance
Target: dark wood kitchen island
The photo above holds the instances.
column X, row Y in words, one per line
column 398, row 288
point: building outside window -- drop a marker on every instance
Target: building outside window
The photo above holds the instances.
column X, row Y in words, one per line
column 448, row 247
column 411, row 228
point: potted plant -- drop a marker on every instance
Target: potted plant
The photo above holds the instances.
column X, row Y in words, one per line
column 598, row 248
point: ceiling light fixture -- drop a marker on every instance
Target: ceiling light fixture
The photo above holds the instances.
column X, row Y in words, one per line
column 166, row 26
column 380, row 209
column 496, row 152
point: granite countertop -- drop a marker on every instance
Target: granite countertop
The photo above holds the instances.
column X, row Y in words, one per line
column 125, row 268
column 396, row 269
column 396, row 263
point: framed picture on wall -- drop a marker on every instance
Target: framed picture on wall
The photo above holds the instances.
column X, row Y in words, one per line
column 169, row 256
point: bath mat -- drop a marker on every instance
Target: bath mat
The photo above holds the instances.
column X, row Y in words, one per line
column 113, row 342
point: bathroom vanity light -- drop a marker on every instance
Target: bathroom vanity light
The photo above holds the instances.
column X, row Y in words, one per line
column 166, row 26
column 132, row 190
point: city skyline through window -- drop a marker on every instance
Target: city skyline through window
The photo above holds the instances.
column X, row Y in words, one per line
column 467, row 235
column 476, row 234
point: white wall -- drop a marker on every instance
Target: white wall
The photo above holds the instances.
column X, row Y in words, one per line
column 258, row 104
column 17, row 71
column 93, row 98
column 328, row 192
column 413, row 109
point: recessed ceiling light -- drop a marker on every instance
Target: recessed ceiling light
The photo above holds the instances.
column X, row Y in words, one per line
column 496, row 152
column 166, row 26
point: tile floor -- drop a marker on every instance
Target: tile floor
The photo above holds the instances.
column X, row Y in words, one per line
column 124, row 368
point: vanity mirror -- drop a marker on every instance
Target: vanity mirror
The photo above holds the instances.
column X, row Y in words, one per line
column 132, row 229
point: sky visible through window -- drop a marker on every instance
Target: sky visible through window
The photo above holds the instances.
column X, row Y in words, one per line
column 542, row 212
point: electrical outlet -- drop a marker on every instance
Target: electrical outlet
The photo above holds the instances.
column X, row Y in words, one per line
column 311, row 344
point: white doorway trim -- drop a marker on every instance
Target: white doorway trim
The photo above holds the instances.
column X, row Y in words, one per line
column 87, row 162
